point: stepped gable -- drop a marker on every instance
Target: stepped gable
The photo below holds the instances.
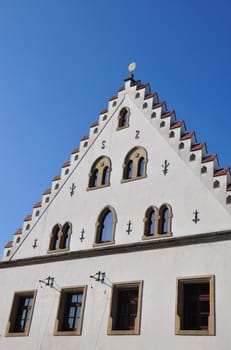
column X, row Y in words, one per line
column 184, row 142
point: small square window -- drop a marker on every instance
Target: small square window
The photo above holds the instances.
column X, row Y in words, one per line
column 70, row 312
column 195, row 306
column 125, row 308
column 21, row 314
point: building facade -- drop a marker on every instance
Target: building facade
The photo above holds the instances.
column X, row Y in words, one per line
column 130, row 247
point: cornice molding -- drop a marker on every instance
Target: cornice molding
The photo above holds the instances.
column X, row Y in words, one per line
column 151, row 244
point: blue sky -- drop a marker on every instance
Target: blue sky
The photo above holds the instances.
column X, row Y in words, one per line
column 60, row 61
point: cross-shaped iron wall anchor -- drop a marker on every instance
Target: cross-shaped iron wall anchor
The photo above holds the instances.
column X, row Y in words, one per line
column 99, row 276
column 82, row 236
column 49, row 281
column 196, row 218
column 165, row 167
column 129, row 229
column 72, row 189
column 35, row 243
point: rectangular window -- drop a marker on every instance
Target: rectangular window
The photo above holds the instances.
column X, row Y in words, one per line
column 21, row 314
column 70, row 312
column 125, row 308
column 195, row 306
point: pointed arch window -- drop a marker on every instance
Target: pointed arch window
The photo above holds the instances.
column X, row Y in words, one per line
column 129, row 169
column 151, row 216
column 157, row 222
column 65, row 236
column 55, row 236
column 140, row 169
column 135, row 165
column 165, row 216
column 100, row 173
column 123, row 118
column 60, row 237
column 105, row 226
column 105, row 177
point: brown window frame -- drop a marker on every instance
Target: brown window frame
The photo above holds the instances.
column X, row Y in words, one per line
column 113, row 328
column 62, row 240
column 199, row 303
column 62, row 308
column 134, row 157
column 99, row 166
column 16, row 314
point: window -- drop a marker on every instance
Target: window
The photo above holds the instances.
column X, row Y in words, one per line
column 165, row 215
column 100, row 173
column 135, row 164
column 21, row 314
column 105, row 226
column 60, row 237
column 64, row 238
column 70, row 311
column 195, row 306
column 151, row 217
column 123, row 118
column 157, row 222
column 125, row 308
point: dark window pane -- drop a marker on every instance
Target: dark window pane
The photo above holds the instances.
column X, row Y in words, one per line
column 106, row 227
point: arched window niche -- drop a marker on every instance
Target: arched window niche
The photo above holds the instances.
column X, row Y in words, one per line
column 100, row 173
column 165, row 219
column 123, row 118
column 135, row 165
column 65, row 236
column 150, row 219
column 157, row 222
column 60, row 238
column 105, row 227
column 54, row 238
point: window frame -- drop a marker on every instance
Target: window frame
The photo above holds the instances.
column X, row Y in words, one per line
column 114, row 307
column 14, row 314
column 62, row 307
column 134, row 156
column 180, row 283
column 158, row 222
column 120, row 116
column 99, row 165
column 98, row 227
column 60, row 239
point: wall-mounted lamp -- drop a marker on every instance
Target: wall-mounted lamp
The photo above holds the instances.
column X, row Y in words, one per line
column 98, row 276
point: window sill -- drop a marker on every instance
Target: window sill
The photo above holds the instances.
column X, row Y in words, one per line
column 97, row 187
column 133, row 179
column 99, row 244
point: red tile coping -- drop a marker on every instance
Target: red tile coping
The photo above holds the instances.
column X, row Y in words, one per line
column 177, row 124
column 86, row 137
column 187, row 136
column 159, row 104
column 113, row 98
column 142, row 86
column 66, row 164
column 209, row 158
column 57, row 177
column 121, row 88
column 103, row 111
column 167, row 114
column 28, row 218
column 198, row 146
column 47, row 191
column 76, row 150
column 150, row 95
column 37, row 205
column 18, row 232
column 9, row 244
column 223, row 171
column 94, row 124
